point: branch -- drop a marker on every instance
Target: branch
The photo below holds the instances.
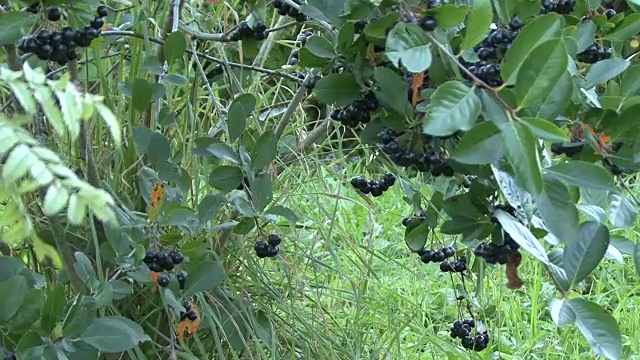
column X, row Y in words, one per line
column 473, row 78
column 291, row 109
column 206, row 81
column 315, row 135
column 205, row 56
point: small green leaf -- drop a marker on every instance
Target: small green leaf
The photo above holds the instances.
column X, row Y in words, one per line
column 19, row 162
column 15, row 24
column 480, row 145
column 394, row 92
column 407, row 45
column 83, row 268
column 337, row 89
column 236, row 121
column 478, row 23
column 544, row 129
column 111, row 121
column 175, row 45
column 264, row 151
column 261, row 191
column 14, row 291
column 449, row 15
column 537, row 31
column 206, row 276
column 522, row 153
column 622, row 212
column 320, row 47
column 141, row 94
column 218, row 149
column 558, row 211
column 114, row 334
column 176, row 79
column 225, row 178
column 561, row 314
column 598, row 327
column 540, row 71
column 628, row 28
column 605, row 70
column 158, row 149
column 452, row 107
column 416, row 237
column 209, row 206
column 55, row 199
column 10, row 267
column 53, row 308
column 504, row 9
column 285, row 212
column 377, row 28
column 586, row 34
column 522, row 235
column 630, row 82
column 582, row 174
column 583, row 255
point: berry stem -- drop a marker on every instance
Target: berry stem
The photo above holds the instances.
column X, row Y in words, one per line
column 209, row 90
column 474, row 78
column 291, row 109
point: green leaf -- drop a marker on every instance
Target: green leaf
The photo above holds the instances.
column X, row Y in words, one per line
column 598, row 327
column 320, row 47
column 236, row 120
column 558, row 211
column 337, row 89
column 628, row 28
column 522, row 235
column 522, row 153
column 480, row 145
column 622, row 212
column 285, row 212
column 209, row 206
column 158, row 149
column 10, row 267
column 20, row 160
column 630, row 82
column 605, row 70
column 14, row 291
column 112, row 122
column 544, row 129
column 537, row 31
column 174, row 46
column 55, row 199
column 452, row 107
column 141, row 94
column 206, row 276
column 83, row 268
column 53, row 308
column 416, row 237
column 242, row 205
column 261, row 191
column 540, row 71
column 407, row 45
column 586, row 34
column 218, row 149
column 449, row 15
column 478, row 23
column 583, row 255
column 378, row 28
column 176, row 79
column 394, row 92
column 636, row 256
column 504, row 9
column 582, row 174
column 264, row 150
column 225, row 178
column 114, row 334
column 561, row 314
column 14, row 25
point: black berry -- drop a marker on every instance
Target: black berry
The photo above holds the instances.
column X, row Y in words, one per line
column 54, row 14
column 97, row 23
column 163, row 280
column 176, row 257
column 274, row 239
column 182, row 279
column 261, row 248
column 102, row 11
column 192, row 315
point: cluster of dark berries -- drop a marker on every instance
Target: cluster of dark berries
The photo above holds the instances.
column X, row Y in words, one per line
column 459, row 265
column 494, row 253
column 243, row 31
column 570, row 149
column 161, row 261
column 60, row 46
column 311, row 83
column 358, row 26
column 293, row 58
column 462, row 330
column 189, row 314
column 268, row 248
column 429, row 255
column 358, row 112
column 563, row 7
column 375, row 187
column 431, row 160
column 285, row 9
column 593, row 54
column 304, row 36
column 491, row 50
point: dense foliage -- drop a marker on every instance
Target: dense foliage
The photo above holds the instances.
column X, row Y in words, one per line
column 147, row 149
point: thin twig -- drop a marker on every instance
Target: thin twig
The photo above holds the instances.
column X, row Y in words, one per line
column 291, row 109
column 206, row 82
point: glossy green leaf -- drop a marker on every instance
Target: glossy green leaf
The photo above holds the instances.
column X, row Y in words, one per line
column 544, row 129
column 53, row 308
column 416, row 237
column 206, row 276
column 141, row 94
column 558, row 211
column 580, row 257
column 522, row 235
column 264, row 151
column 622, row 212
column 394, row 92
column 480, row 145
column 629, row 27
column 449, row 15
column 261, row 191
column 598, row 327
column 225, row 178
column 320, row 47
column 582, row 174
column 114, row 334
column 522, row 153
column 236, row 121
column 605, row 70
column 478, row 22
column 407, row 45
column 14, row 291
column 630, row 82
column 15, row 24
column 175, row 44
column 540, row 71
column 452, row 107
column 337, row 89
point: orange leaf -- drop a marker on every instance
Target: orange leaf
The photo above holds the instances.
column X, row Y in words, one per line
column 418, row 80
column 158, row 196
column 154, row 276
column 181, row 326
column 513, row 279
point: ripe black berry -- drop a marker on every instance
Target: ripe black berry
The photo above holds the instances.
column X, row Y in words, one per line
column 168, row 264
column 10, row 356
column 44, row 52
column 163, row 280
column 54, row 14
column 428, row 23
column 28, row 45
column 97, row 23
column 274, row 239
column 187, row 305
column 272, row 251
column 259, row 27
column 34, row 8
column 182, row 279
column 155, row 267
column 161, row 257
column 72, row 55
column 389, row 179
column 43, row 36
column 91, row 33
column 176, row 257
column 261, row 248
column 192, row 315
column 610, row 13
column 102, row 11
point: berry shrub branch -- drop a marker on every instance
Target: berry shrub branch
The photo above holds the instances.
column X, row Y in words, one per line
column 225, row 37
column 474, row 78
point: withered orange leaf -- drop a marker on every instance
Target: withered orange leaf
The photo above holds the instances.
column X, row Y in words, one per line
column 416, row 83
column 513, row 279
column 158, row 195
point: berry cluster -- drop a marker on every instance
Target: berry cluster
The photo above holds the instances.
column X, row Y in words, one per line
column 430, row 160
column 160, row 261
column 491, row 50
column 285, row 9
column 189, row 314
column 268, row 248
column 569, row 149
column 593, row 54
column 462, row 330
column 60, row 46
column 429, row 255
column 459, row 265
column 357, row 112
column 375, row 187
column 293, row 58
column 302, row 37
column 563, row 7
column 243, row 31
column 494, row 253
